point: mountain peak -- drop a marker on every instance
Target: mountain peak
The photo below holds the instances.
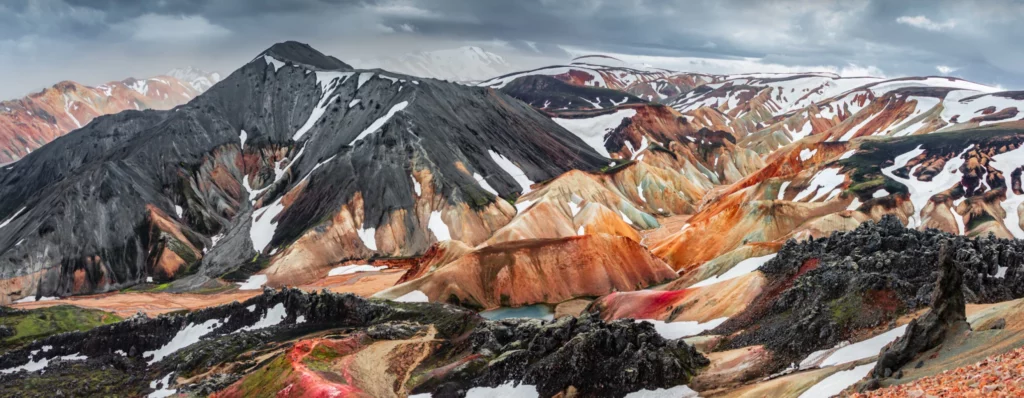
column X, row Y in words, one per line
column 304, row 54
column 198, row 78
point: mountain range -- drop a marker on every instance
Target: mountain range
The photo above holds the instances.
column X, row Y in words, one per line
column 462, row 64
column 588, row 229
column 30, row 122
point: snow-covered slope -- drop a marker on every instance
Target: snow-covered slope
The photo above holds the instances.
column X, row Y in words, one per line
column 198, row 79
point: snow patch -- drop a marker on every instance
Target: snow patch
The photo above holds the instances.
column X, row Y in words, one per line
column 517, row 173
column 32, row 299
column 263, row 225
column 507, row 390
column 593, row 130
column 327, row 82
column 242, row 137
column 822, row 183
column 673, row 392
column 742, row 268
column 352, row 269
column 414, row 296
column 438, row 227
column 806, row 154
column 164, row 389
column 416, row 185
column 483, row 184
column 865, row 349
column 363, row 78
column 377, row 124
column 367, row 235
column 184, row 338
column 838, row 382
column 274, row 316
column 678, row 330
column 255, row 282
column 34, row 365
column 273, row 61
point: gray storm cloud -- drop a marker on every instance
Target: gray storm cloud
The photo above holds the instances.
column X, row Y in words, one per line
column 45, row 41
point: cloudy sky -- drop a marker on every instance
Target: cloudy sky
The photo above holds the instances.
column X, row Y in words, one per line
column 93, row 41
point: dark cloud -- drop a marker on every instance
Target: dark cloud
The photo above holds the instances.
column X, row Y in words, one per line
column 51, row 40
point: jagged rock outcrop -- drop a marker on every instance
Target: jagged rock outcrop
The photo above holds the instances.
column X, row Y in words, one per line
column 820, row 291
column 272, row 344
column 946, row 316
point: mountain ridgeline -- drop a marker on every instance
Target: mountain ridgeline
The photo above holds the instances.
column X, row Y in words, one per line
column 294, row 145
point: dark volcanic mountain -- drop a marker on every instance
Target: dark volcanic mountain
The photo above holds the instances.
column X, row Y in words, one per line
column 548, row 93
column 294, row 147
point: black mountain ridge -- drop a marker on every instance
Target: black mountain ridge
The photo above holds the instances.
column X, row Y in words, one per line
column 88, row 212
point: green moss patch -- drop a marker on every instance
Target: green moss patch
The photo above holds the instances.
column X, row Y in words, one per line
column 35, row 324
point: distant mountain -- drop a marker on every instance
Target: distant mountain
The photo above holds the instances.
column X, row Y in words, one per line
column 30, row 122
column 463, row 64
column 200, row 80
column 643, row 81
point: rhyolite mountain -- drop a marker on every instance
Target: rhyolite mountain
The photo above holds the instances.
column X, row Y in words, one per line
column 30, row 122
column 267, row 157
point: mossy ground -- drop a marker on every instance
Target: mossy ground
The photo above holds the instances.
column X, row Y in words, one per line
column 39, row 323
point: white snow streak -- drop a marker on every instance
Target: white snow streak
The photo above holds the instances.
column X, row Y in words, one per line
column 742, row 268
column 592, row 130
column 838, row 382
column 513, row 170
column 273, row 317
column 824, row 182
column 184, row 338
column 355, row 268
column 438, row 227
column 678, row 330
column 11, row 218
column 367, row 235
column 255, row 282
column 414, row 296
column 865, row 349
column 377, row 124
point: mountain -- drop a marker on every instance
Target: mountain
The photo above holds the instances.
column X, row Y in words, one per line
column 30, row 122
column 198, row 79
column 295, row 158
column 603, row 72
column 592, row 229
column 463, row 64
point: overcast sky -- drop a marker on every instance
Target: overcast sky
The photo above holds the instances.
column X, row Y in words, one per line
column 93, row 41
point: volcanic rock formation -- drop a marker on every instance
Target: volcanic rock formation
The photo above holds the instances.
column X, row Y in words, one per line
column 947, row 316
column 273, row 344
column 820, row 291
